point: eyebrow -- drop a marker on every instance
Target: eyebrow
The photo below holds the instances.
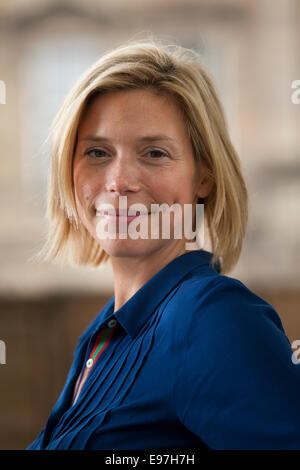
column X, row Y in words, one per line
column 146, row 138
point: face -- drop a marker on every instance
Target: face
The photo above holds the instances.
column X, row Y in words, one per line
column 134, row 143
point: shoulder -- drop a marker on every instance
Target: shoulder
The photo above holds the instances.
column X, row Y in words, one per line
column 233, row 366
column 215, row 299
column 218, row 322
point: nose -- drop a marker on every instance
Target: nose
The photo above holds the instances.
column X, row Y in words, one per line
column 122, row 177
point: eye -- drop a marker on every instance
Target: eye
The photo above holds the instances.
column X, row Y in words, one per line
column 96, row 153
column 157, row 154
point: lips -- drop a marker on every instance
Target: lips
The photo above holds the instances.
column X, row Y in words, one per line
column 118, row 216
column 120, row 213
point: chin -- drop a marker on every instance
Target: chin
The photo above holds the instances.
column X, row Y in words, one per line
column 129, row 248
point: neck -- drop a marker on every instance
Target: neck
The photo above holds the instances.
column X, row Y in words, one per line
column 131, row 273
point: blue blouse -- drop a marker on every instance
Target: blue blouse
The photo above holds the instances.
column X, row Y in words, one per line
column 196, row 360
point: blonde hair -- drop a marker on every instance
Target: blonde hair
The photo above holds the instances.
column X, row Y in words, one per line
column 164, row 69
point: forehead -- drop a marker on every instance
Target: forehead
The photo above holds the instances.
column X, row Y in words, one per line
column 140, row 109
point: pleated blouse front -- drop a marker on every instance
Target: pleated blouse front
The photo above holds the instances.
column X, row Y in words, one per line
column 175, row 367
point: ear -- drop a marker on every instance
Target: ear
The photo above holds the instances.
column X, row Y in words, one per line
column 205, row 186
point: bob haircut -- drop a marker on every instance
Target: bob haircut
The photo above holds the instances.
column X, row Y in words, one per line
column 163, row 69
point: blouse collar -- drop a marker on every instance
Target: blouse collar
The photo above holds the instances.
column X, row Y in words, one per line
column 136, row 311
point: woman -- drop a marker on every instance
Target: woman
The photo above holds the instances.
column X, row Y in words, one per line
column 182, row 355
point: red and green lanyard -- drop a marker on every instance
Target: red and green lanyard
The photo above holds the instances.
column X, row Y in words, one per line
column 100, row 344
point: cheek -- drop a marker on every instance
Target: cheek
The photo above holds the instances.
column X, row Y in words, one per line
column 83, row 200
column 174, row 187
column 83, row 187
column 86, row 191
column 83, row 193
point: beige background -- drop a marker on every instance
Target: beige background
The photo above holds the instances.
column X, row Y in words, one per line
column 251, row 49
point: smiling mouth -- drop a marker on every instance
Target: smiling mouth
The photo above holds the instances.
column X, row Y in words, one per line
column 122, row 216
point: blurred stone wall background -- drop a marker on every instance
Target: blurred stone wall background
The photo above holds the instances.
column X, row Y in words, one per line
column 251, row 49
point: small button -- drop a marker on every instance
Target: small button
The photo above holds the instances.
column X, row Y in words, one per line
column 112, row 323
column 89, row 363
